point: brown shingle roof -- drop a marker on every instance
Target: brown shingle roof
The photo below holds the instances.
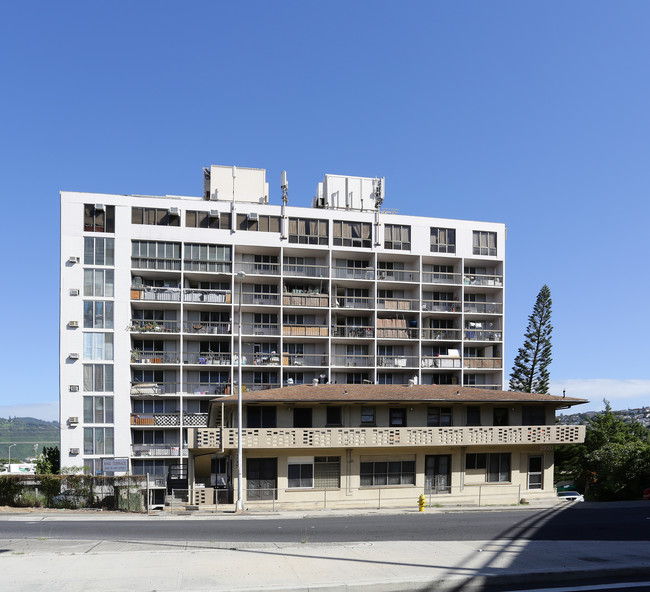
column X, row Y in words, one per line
column 306, row 393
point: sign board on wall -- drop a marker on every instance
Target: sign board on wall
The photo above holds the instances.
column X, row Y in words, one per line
column 115, row 465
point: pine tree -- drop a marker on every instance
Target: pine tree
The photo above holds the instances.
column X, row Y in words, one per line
column 530, row 370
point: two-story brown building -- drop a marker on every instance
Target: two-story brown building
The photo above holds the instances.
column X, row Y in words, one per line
column 351, row 445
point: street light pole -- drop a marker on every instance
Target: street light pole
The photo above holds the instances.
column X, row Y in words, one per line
column 10, row 445
column 240, row 478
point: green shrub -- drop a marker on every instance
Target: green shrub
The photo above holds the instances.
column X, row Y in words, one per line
column 31, row 499
column 10, row 488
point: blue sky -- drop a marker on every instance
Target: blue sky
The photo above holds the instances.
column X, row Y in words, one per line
column 534, row 114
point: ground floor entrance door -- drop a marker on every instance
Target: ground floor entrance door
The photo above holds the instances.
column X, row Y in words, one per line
column 437, row 473
column 261, row 478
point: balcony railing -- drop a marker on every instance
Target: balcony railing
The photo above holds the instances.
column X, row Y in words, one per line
column 482, row 335
column 397, row 304
column 155, row 294
column 442, row 334
column 207, row 358
column 345, row 331
column 352, row 361
column 209, row 327
column 154, row 357
column 206, row 388
column 393, row 275
column 271, row 359
column 397, row 361
column 440, row 362
column 260, row 329
column 260, row 299
column 483, row 280
column 153, row 263
column 434, row 277
column 208, row 266
column 304, row 360
column 320, row 300
column 158, row 449
column 305, row 330
column 169, row 419
column 143, row 326
column 487, row 387
column 259, row 268
column 274, row 438
column 260, row 386
column 313, row 271
column 154, row 388
column 355, row 302
column 397, row 333
column 216, row 296
column 354, row 273
column 483, row 307
column 482, row 362
column 441, row 306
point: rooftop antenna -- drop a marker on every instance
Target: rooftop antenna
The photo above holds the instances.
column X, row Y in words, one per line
column 379, row 191
column 284, row 184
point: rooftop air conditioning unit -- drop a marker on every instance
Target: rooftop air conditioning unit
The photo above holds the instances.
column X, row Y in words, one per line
column 73, row 259
column 174, row 212
column 74, row 292
column 100, row 207
column 73, row 388
column 73, row 356
column 73, row 420
column 215, row 214
column 74, row 451
column 253, row 217
column 73, row 323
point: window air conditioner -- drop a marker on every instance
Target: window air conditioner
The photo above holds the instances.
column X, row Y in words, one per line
column 174, row 212
column 100, row 207
column 72, row 420
column 73, row 323
column 73, row 356
column 73, row 388
column 215, row 214
column 74, row 292
column 73, row 259
column 253, row 217
column 74, row 451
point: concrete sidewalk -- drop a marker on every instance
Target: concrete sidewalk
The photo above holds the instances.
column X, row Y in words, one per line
column 40, row 564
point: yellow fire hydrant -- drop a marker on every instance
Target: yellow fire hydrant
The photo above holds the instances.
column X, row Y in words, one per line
column 422, row 502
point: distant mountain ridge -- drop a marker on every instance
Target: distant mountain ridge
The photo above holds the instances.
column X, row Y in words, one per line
column 638, row 414
column 24, row 432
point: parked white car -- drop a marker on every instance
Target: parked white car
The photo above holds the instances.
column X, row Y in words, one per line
column 571, row 496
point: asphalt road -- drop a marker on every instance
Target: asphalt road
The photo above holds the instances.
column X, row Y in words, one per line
column 578, row 522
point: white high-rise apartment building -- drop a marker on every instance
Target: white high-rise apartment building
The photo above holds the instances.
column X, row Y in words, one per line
column 345, row 291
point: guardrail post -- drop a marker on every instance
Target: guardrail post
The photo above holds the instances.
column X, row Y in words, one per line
column 479, row 495
column 379, row 499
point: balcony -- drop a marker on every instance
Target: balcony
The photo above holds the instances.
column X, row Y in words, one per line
column 206, row 388
column 169, row 419
column 155, row 263
column 251, row 268
column 302, row 300
column 272, row 359
column 144, row 326
column 483, row 280
column 259, row 298
column 297, row 360
column 154, row 357
column 354, row 273
column 355, row 302
column 441, row 306
column 482, row 363
column 441, row 334
column 397, row 361
column 310, row 271
column 440, row 362
column 357, row 332
column 208, row 266
column 158, row 450
column 216, row 296
column 353, row 361
column 318, row 438
column 207, row 358
column 483, row 307
column 397, row 304
column 155, row 294
column 154, row 388
column 396, row 332
column 434, row 277
column 207, row 327
column 305, row 330
column 483, row 335
column 260, row 329
column 393, row 275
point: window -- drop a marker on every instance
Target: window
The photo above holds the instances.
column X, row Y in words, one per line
column 156, row 255
column 475, row 460
column 368, row 416
column 99, row 218
column 195, row 219
column 151, row 437
column 484, row 243
column 357, row 378
column 98, row 409
column 265, row 378
column 261, row 416
column 98, row 346
column 534, row 415
column 98, row 378
column 535, row 472
column 300, row 471
column 327, row 472
column 333, row 413
column 500, row 416
column 99, row 282
column 261, row 224
column 99, row 251
column 387, row 472
column 499, row 467
column 352, row 234
column 308, row 232
column 98, row 314
column 397, row 236
column 439, row 416
column 302, row 417
column 98, row 441
column 397, row 417
column 205, row 257
column 152, row 467
column 443, row 240
column 154, row 217
column 473, row 415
